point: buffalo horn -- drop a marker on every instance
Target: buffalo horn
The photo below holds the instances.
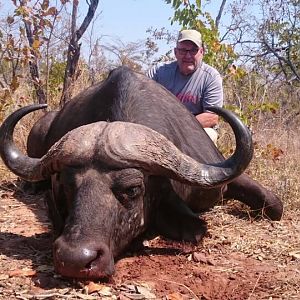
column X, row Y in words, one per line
column 127, row 145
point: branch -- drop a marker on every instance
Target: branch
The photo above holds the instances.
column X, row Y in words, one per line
column 87, row 20
column 281, row 58
column 74, row 49
column 33, row 64
column 218, row 18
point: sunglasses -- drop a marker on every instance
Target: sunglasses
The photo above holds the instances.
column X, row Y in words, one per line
column 182, row 51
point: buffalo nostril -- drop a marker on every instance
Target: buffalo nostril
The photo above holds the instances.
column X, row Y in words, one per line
column 103, row 259
column 84, row 257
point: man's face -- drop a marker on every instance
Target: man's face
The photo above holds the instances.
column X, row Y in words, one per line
column 188, row 56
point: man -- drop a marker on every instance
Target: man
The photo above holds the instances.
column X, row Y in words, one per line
column 196, row 84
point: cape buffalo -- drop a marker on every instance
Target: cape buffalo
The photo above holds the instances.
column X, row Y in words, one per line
column 123, row 155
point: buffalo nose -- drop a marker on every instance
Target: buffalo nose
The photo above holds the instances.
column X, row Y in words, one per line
column 79, row 258
column 82, row 260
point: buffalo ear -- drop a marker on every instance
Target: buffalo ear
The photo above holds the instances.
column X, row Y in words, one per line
column 175, row 220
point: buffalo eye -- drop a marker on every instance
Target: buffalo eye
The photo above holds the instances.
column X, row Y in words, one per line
column 127, row 196
column 128, row 186
column 132, row 192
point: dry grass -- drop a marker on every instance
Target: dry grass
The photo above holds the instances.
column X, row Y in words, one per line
column 277, row 244
column 276, row 161
column 276, row 164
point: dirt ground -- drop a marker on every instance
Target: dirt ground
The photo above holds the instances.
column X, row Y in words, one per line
column 241, row 258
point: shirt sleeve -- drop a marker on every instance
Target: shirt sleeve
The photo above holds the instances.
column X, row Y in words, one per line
column 153, row 73
column 213, row 93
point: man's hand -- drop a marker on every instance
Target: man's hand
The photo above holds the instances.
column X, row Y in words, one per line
column 207, row 119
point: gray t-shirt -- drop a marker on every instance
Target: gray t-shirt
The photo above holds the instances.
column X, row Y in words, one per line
column 197, row 91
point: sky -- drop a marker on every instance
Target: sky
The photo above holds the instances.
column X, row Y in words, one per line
column 129, row 19
column 126, row 20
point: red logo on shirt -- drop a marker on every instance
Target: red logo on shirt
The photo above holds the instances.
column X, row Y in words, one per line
column 187, row 97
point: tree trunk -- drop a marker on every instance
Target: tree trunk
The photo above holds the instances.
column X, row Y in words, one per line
column 33, row 64
column 71, row 73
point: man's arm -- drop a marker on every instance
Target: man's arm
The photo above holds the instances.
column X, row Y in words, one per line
column 213, row 96
column 207, row 119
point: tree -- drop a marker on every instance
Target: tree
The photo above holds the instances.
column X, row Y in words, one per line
column 132, row 54
column 21, row 44
column 12, row 57
column 38, row 19
column 267, row 36
column 97, row 64
column 152, row 47
column 74, row 47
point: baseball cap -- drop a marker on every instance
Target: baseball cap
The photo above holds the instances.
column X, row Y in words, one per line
column 190, row 35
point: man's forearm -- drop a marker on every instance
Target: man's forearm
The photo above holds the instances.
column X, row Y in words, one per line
column 207, row 119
